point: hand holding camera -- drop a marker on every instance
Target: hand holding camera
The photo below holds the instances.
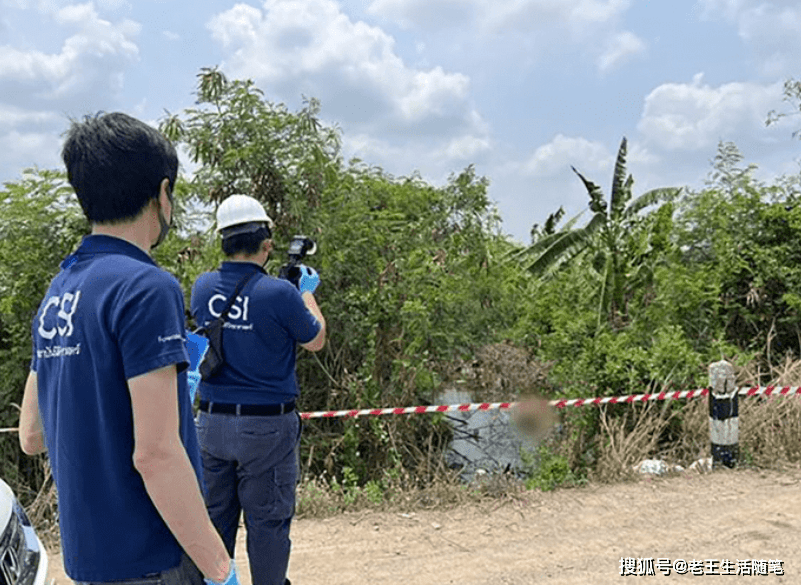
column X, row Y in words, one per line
column 294, row 271
column 309, row 279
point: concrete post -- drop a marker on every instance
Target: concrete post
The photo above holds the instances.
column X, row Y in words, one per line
column 724, row 425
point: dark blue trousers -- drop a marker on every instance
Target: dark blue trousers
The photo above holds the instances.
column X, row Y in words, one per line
column 250, row 465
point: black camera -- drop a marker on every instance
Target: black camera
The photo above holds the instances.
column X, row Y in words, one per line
column 299, row 248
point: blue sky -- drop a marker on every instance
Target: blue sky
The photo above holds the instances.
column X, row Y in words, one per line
column 523, row 89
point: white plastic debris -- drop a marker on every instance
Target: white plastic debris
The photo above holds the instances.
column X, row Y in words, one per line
column 656, row 467
column 703, row 465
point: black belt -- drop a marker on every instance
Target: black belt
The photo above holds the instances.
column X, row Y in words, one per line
column 246, row 409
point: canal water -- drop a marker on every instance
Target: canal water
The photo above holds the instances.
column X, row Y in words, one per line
column 483, row 441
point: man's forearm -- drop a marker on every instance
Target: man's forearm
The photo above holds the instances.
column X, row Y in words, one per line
column 318, row 342
column 31, row 434
column 311, row 304
column 171, row 483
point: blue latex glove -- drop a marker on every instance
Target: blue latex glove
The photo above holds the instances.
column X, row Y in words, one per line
column 231, row 579
column 309, row 279
column 196, row 345
column 192, row 381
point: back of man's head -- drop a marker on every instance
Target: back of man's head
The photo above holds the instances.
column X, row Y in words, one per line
column 115, row 164
column 247, row 243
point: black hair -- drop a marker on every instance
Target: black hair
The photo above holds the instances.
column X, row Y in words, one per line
column 115, row 164
column 247, row 243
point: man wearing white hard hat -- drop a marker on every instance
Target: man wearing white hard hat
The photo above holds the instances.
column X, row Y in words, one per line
column 248, row 426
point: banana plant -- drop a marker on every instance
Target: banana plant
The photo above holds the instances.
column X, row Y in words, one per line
column 616, row 236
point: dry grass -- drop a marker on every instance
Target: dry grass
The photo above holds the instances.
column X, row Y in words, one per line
column 769, row 431
column 43, row 512
column 770, row 428
column 498, row 372
column 624, row 439
column 322, row 497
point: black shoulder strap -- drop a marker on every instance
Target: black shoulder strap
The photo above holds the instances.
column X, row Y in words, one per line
column 232, row 298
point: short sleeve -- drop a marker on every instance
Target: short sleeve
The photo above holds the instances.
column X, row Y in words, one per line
column 298, row 320
column 198, row 290
column 149, row 324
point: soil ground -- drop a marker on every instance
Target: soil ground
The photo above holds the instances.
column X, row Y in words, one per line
column 571, row 536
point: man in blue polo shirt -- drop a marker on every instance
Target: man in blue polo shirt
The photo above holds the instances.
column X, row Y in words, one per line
column 107, row 395
column 248, row 427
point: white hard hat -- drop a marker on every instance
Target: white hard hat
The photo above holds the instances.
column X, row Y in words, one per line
column 241, row 209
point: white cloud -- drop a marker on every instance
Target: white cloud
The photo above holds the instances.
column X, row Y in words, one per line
column 435, row 161
column 76, row 14
column 423, row 13
column 726, row 8
column 774, row 34
column 370, row 149
column 464, row 148
column 733, row 10
column 620, row 48
column 573, row 15
column 29, row 65
column 113, row 4
column 770, row 28
column 12, row 117
column 539, row 29
column 556, row 157
column 236, row 25
column 638, row 154
column 90, row 61
column 312, row 47
column 430, row 91
column 26, row 149
column 696, row 116
column 499, row 15
column 41, row 6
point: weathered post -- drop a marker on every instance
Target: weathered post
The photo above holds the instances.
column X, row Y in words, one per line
column 724, row 425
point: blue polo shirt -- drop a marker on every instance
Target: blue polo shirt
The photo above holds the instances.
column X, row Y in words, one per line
column 111, row 314
column 260, row 336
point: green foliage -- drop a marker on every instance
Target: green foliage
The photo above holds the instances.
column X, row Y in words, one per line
column 246, row 144
column 623, row 244
column 409, row 281
column 372, row 491
column 740, row 243
column 546, row 470
column 408, row 285
column 41, row 223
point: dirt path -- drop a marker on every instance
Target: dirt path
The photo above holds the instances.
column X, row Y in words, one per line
column 569, row 537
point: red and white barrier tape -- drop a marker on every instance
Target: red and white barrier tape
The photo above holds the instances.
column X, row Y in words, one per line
column 755, row 391
column 407, row 410
column 759, row 390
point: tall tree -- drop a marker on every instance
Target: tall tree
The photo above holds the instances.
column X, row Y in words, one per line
column 741, row 235
column 791, row 95
column 244, row 143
